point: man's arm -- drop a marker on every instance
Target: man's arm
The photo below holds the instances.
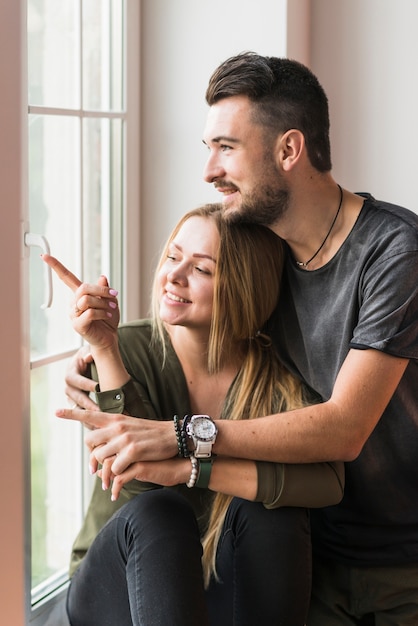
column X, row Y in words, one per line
column 334, row 430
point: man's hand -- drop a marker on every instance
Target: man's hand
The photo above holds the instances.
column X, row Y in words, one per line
column 128, row 439
column 78, row 385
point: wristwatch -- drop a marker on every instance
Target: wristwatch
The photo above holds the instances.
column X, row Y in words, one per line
column 202, row 430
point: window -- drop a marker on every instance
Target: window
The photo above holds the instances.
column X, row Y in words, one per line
column 77, row 186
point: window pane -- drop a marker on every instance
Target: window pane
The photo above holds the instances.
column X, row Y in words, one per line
column 56, row 475
column 102, row 198
column 117, row 173
column 53, row 53
column 102, row 55
column 54, row 205
column 76, row 191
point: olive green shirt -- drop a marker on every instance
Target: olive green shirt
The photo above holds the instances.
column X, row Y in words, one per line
column 158, row 391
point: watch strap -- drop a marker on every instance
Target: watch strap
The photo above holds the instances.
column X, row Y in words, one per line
column 205, row 470
column 203, row 449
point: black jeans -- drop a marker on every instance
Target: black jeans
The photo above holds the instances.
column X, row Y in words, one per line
column 144, row 568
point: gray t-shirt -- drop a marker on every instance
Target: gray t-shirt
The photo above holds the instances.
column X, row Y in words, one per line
column 365, row 297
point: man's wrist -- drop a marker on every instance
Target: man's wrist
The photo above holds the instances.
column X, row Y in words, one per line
column 202, row 431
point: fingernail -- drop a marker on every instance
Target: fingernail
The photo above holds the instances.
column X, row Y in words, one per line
column 92, row 470
column 104, row 486
column 113, row 292
column 113, row 305
column 113, row 498
column 108, row 313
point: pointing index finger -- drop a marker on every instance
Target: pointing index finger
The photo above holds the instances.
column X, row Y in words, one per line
column 67, row 277
column 94, row 419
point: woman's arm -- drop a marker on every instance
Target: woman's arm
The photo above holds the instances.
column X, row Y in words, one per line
column 312, row 485
column 275, row 485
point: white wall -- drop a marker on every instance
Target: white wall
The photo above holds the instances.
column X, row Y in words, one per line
column 365, row 54
column 183, row 41
column 363, row 51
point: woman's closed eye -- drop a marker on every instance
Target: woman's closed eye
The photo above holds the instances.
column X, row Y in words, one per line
column 203, row 270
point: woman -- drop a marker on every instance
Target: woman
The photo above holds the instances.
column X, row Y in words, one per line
column 215, row 287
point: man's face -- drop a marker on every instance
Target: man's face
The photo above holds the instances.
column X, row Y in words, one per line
column 241, row 164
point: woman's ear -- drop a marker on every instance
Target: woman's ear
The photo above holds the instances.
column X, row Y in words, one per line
column 289, row 148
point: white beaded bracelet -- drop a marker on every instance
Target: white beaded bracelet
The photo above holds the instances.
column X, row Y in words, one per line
column 195, row 471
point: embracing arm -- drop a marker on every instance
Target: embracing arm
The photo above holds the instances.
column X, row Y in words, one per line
column 336, row 429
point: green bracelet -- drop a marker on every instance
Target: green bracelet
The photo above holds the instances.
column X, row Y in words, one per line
column 205, row 470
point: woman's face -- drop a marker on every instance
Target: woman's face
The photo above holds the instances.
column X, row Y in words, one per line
column 186, row 278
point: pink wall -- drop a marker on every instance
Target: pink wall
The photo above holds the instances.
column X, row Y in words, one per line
column 11, row 427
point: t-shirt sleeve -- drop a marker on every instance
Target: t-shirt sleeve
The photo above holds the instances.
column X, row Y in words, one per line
column 388, row 314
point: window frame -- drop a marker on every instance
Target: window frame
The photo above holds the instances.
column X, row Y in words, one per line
column 51, row 609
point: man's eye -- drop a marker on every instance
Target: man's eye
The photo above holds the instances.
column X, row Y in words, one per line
column 224, row 147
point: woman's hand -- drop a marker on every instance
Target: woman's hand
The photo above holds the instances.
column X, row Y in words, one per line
column 128, row 439
column 165, row 473
column 95, row 314
column 105, row 472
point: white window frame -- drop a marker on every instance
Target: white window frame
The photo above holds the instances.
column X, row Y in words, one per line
column 15, row 596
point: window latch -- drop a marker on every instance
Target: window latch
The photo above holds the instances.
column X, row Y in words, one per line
column 32, row 239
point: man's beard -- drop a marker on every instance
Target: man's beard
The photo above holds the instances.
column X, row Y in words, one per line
column 265, row 209
column 268, row 202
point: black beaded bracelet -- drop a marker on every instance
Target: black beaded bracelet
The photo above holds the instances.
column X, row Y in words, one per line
column 184, row 435
column 183, row 450
column 178, row 435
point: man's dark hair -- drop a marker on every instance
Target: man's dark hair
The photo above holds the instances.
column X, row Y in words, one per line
column 286, row 95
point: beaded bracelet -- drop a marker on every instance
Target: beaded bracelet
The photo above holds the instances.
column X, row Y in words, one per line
column 184, row 435
column 178, row 435
column 194, row 473
column 181, row 438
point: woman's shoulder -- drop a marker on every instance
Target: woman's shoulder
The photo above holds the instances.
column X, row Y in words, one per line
column 139, row 347
column 135, row 340
column 140, row 329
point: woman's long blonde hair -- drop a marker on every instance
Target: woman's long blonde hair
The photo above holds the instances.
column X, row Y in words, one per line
column 246, row 290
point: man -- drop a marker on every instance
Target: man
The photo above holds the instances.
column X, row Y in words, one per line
column 347, row 324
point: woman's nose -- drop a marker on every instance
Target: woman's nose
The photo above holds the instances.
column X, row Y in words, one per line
column 177, row 275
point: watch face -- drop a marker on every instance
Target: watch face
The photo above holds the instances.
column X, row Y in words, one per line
column 203, row 428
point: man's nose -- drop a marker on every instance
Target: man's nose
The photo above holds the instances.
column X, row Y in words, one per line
column 213, row 168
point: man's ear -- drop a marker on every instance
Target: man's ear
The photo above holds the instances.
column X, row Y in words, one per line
column 289, row 148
